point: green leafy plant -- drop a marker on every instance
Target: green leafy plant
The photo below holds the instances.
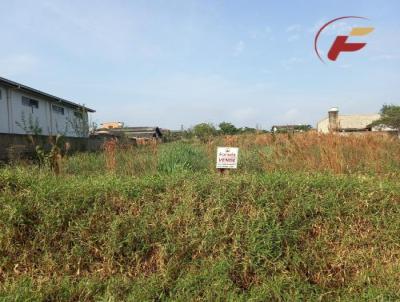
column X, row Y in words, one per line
column 181, row 157
column 204, row 131
column 228, row 128
column 52, row 158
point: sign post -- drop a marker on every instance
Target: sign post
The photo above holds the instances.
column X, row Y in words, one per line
column 227, row 158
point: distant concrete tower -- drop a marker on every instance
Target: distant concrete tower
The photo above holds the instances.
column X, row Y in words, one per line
column 333, row 115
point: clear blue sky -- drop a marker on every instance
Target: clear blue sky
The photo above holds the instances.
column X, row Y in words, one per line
column 169, row 63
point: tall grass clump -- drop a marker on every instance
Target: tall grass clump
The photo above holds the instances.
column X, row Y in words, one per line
column 366, row 153
column 177, row 157
column 110, row 148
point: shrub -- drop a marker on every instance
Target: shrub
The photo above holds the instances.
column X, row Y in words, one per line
column 204, row 131
column 181, row 157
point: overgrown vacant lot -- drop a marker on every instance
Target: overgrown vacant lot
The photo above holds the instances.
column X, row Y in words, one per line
column 303, row 218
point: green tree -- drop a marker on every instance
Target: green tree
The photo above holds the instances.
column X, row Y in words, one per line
column 228, row 128
column 204, row 131
column 390, row 117
column 304, row 128
column 248, row 130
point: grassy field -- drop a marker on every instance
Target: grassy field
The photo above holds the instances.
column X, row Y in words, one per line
column 306, row 217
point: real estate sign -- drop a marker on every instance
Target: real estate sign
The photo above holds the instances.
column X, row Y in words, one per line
column 227, row 157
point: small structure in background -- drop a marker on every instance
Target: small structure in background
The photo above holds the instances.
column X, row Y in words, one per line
column 290, row 128
column 111, row 125
column 116, row 130
column 348, row 123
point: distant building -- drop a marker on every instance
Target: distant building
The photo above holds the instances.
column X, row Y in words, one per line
column 24, row 110
column 111, row 125
column 130, row 132
column 348, row 123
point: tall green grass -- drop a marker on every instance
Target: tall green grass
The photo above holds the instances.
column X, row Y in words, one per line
column 306, row 217
column 182, row 235
column 181, row 157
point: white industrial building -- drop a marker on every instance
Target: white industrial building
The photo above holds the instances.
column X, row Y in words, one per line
column 24, row 110
column 336, row 122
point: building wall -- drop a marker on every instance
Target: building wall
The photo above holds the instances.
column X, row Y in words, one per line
column 3, row 111
column 65, row 123
column 15, row 117
column 323, row 126
column 359, row 122
column 26, row 116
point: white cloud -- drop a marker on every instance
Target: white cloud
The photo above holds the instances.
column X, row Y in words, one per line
column 190, row 99
column 294, row 32
column 101, row 30
column 336, row 28
column 243, row 114
column 287, row 64
column 294, row 28
column 385, row 57
column 253, row 35
column 263, row 33
column 266, row 71
column 239, row 48
column 293, row 38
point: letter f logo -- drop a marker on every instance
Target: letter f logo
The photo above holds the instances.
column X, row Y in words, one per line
column 340, row 44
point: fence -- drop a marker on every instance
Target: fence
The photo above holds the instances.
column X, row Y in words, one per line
column 14, row 146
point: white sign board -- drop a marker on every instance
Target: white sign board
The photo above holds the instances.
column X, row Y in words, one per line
column 227, row 157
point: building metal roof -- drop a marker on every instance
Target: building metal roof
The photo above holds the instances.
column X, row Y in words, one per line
column 41, row 93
